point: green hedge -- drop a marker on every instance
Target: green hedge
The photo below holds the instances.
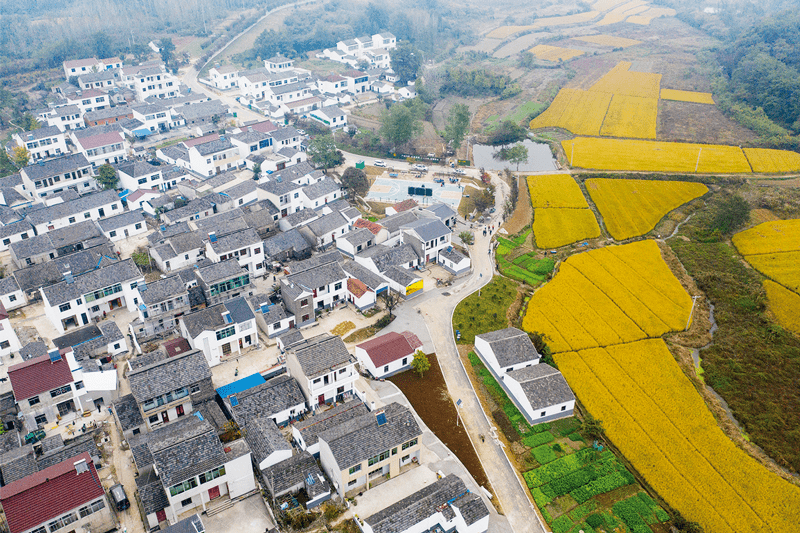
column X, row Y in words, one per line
column 562, row 524
column 538, row 439
column 602, row 485
column 628, row 513
column 543, row 454
column 582, row 510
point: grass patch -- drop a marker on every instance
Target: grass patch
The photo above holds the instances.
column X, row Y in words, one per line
column 525, row 110
column 753, row 362
column 499, row 395
column 171, row 142
column 527, row 268
column 485, row 310
column 363, row 334
column 342, row 328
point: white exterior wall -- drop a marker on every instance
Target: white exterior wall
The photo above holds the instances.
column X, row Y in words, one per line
column 43, row 148
column 14, row 300
column 487, row 354
column 457, row 523
column 8, row 335
column 153, row 420
column 129, row 296
column 177, row 262
column 112, row 153
column 464, row 264
column 161, row 85
column 546, row 413
column 251, row 261
column 275, row 458
column 11, row 239
column 109, row 209
column 207, row 165
column 132, row 229
column 82, row 181
column 391, row 368
column 335, row 381
column 67, row 122
column 212, row 348
column 150, row 181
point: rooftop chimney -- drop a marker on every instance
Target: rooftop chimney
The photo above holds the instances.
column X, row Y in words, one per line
column 81, row 466
column 68, row 276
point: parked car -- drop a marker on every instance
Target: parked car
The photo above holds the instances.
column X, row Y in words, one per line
column 121, row 501
column 460, row 172
column 379, row 163
column 420, row 167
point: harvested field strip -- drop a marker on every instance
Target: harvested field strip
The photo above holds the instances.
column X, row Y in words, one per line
column 504, row 32
column 621, row 80
column 647, row 395
column 772, row 161
column 631, row 117
column 607, row 5
column 608, row 40
column 784, row 304
column 654, row 156
column 554, row 53
column 687, row 96
column 622, row 12
column 631, row 208
column 647, row 17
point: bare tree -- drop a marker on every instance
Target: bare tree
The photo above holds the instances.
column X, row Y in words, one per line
column 390, row 300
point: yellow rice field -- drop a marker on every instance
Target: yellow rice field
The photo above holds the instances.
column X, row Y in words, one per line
column 555, row 227
column 784, row 304
column 657, row 419
column 772, row 161
column 631, row 117
column 618, row 14
column 654, row 156
column 609, row 40
column 687, row 96
column 769, row 238
column 644, row 19
column 608, row 296
column 504, row 32
column 555, row 190
column 631, row 208
column 577, row 111
column 783, row 267
column 621, row 80
column 554, row 53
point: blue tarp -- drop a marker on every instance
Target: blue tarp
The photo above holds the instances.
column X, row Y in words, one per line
column 240, row 385
column 144, row 132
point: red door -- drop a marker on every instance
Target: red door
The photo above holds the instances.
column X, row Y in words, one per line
column 164, row 417
column 161, row 516
column 321, row 399
column 179, row 410
column 213, row 493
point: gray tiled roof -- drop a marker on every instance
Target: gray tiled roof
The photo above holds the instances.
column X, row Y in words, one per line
column 144, row 445
column 428, row 228
column 442, row 210
column 59, row 165
column 118, row 272
column 291, row 240
column 281, row 134
column 97, row 130
column 180, row 244
column 300, row 217
column 108, row 112
column 327, row 224
column 291, row 337
column 293, row 472
column 127, row 409
column 162, row 290
column 240, row 189
column 17, row 464
column 44, row 274
column 137, row 169
column 220, row 271
column 543, row 385
column 211, row 318
column 151, row 493
column 325, row 258
column 10, row 439
column 451, row 254
column 510, row 346
column 266, row 400
column 40, row 133
column 77, row 336
column 78, row 445
column 235, row 241
column 394, row 222
column 81, row 205
column 385, row 257
column 321, row 188
column 359, row 236
column 190, row 209
column 168, row 375
column 201, row 110
column 168, row 231
column 400, row 275
column 311, row 427
column 189, row 458
column 279, row 186
column 321, row 354
column 213, row 147
column 33, row 349
column 128, row 218
column 435, row 498
column 264, row 438
column 363, row 274
column 317, row 277
column 360, row 438
column 192, row 524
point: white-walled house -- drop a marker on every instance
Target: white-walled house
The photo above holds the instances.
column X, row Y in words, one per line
column 267, row 443
column 100, row 145
column 42, row 143
column 324, row 369
column 224, row 77
column 278, row 398
column 244, row 246
column 505, row 350
column 90, row 207
column 388, row 354
column 11, row 296
column 9, row 342
column 331, row 116
column 222, row 330
column 454, row 261
column 124, row 225
column 71, row 171
column 429, row 236
column 541, row 393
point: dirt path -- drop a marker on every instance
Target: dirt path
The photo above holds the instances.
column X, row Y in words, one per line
column 130, row 521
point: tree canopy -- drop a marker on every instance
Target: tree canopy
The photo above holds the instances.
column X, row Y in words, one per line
column 420, row 364
column 405, row 61
column 457, row 124
column 20, row 156
column 507, row 132
column 399, row 124
column 516, row 154
column 167, row 50
column 107, row 177
column 323, row 153
column 355, row 181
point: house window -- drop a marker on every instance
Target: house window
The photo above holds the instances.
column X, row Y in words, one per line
column 386, row 368
column 405, row 361
column 226, row 332
column 409, row 444
column 187, row 501
column 543, row 413
column 305, row 318
column 78, row 385
column 394, row 451
column 304, row 302
column 87, row 215
column 64, row 521
column 183, row 487
column 194, row 388
column 40, row 420
column 6, row 242
column 113, row 234
column 41, row 529
column 378, row 458
column 64, row 307
column 338, row 286
column 71, row 220
column 153, row 419
column 5, row 345
column 12, row 298
column 114, row 207
column 61, row 390
column 212, row 475
column 352, row 483
column 33, row 401
column 563, row 407
column 138, row 225
column 91, row 508
column 355, row 469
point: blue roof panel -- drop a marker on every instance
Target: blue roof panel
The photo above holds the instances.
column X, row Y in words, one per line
column 240, row 385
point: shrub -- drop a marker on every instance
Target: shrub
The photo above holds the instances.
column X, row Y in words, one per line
column 562, row 524
column 595, row 520
column 557, row 448
column 543, row 454
column 576, row 437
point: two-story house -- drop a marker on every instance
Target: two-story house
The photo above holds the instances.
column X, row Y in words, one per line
column 80, row 299
column 135, row 175
column 221, row 331
column 171, row 387
column 65, row 118
column 163, row 302
column 89, row 207
column 57, row 243
column 178, row 251
column 155, row 82
column 324, row 230
column 324, row 369
column 369, row 446
column 273, row 318
column 9, row 342
column 101, row 144
column 223, row 281
column 213, row 157
column 123, row 225
column 331, row 116
column 319, row 287
column 244, row 246
column 154, row 117
column 428, row 236
column 76, row 67
column 55, row 175
column 42, row 143
column 278, row 398
column 224, row 77
column 88, row 100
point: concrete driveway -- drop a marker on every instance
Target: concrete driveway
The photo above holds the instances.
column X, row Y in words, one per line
column 246, row 516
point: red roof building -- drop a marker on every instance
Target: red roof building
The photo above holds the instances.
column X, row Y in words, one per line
column 265, row 126
column 177, row 347
column 356, row 287
column 389, row 353
column 188, row 143
column 38, row 375
column 405, row 205
column 103, row 139
column 374, row 227
column 46, row 495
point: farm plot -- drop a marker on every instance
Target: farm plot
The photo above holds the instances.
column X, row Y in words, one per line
column 772, row 161
column 644, row 19
column 621, row 80
column 655, row 156
column 784, row 304
column 609, row 296
column 773, row 248
column 631, row 116
column 656, row 418
column 608, row 40
column 577, row 111
column 557, row 227
column 554, row 53
column 620, row 13
column 687, row 96
column 633, row 207
column 555, row 190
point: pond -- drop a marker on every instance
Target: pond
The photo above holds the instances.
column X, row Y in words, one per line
column 540, row 159
column 429, row 397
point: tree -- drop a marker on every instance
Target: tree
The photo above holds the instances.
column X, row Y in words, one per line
column 593, row 427
column 355, row 181
column 323, row 153
column 420, row 364
column 101, row 43
column 399, row 125
column 30, row 123
column 20, row 156
column 107, row 177
column 527, row 60
column 467, row 237
column 516, row 154
column 457, row 124
column 484, row 199
column 405, row 61
column 140, row 52
column 507, row 132
column 390, row 299
column 256, row 171
column 167, row 48
column 732, row 213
